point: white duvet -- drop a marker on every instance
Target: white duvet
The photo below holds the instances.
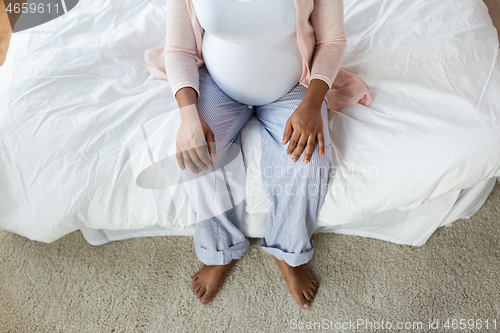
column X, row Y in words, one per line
column 74, row 91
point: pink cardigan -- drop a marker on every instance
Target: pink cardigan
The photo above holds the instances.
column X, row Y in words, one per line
column 320, row 37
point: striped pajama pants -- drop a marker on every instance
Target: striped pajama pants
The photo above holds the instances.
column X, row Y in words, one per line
column 296, row 190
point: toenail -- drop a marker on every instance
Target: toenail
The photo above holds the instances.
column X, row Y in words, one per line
column 306, row 305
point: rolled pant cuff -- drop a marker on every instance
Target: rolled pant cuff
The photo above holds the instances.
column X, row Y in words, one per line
column 292, row 259
column 222, row 257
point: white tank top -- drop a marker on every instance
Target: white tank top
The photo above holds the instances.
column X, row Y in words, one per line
column 250, row 47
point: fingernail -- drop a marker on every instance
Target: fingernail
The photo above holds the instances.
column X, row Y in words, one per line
column 306, row 161
column 294, row 159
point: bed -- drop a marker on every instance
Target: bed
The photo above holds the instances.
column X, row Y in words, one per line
column 75, row 96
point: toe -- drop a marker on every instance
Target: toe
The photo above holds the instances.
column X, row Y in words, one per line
column 315, row 282
column 307, row 295
column 197, row 288
column 200, row 292
column 302, row 301
column 207, row 297
column 312, row 292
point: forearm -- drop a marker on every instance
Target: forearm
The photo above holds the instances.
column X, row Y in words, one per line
column 5, row 27
column 180, row 54
column 327, row 19
column 316, row 92
column 327, row 61
column 8, row 20
column 185, row 97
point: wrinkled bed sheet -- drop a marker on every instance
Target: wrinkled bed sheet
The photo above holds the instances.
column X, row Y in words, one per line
column 74, row 91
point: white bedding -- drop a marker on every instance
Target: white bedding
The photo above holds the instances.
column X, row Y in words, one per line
column 75, row 90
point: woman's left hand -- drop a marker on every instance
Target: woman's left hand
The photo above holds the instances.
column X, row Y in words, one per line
column 302, row 129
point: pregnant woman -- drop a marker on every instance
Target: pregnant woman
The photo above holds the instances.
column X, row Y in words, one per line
column 279, row 60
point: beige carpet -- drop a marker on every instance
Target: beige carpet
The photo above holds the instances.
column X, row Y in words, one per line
column 143, row 285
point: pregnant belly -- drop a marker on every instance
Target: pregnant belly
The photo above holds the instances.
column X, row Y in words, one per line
column 253, row 74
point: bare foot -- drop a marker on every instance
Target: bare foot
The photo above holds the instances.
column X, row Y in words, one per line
column 300, row 282
column 208, row 281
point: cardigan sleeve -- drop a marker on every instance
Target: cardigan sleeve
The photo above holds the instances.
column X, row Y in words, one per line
column 180, row 48
column 327, row 19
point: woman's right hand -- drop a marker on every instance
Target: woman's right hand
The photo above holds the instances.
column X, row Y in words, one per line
column 192, row 136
